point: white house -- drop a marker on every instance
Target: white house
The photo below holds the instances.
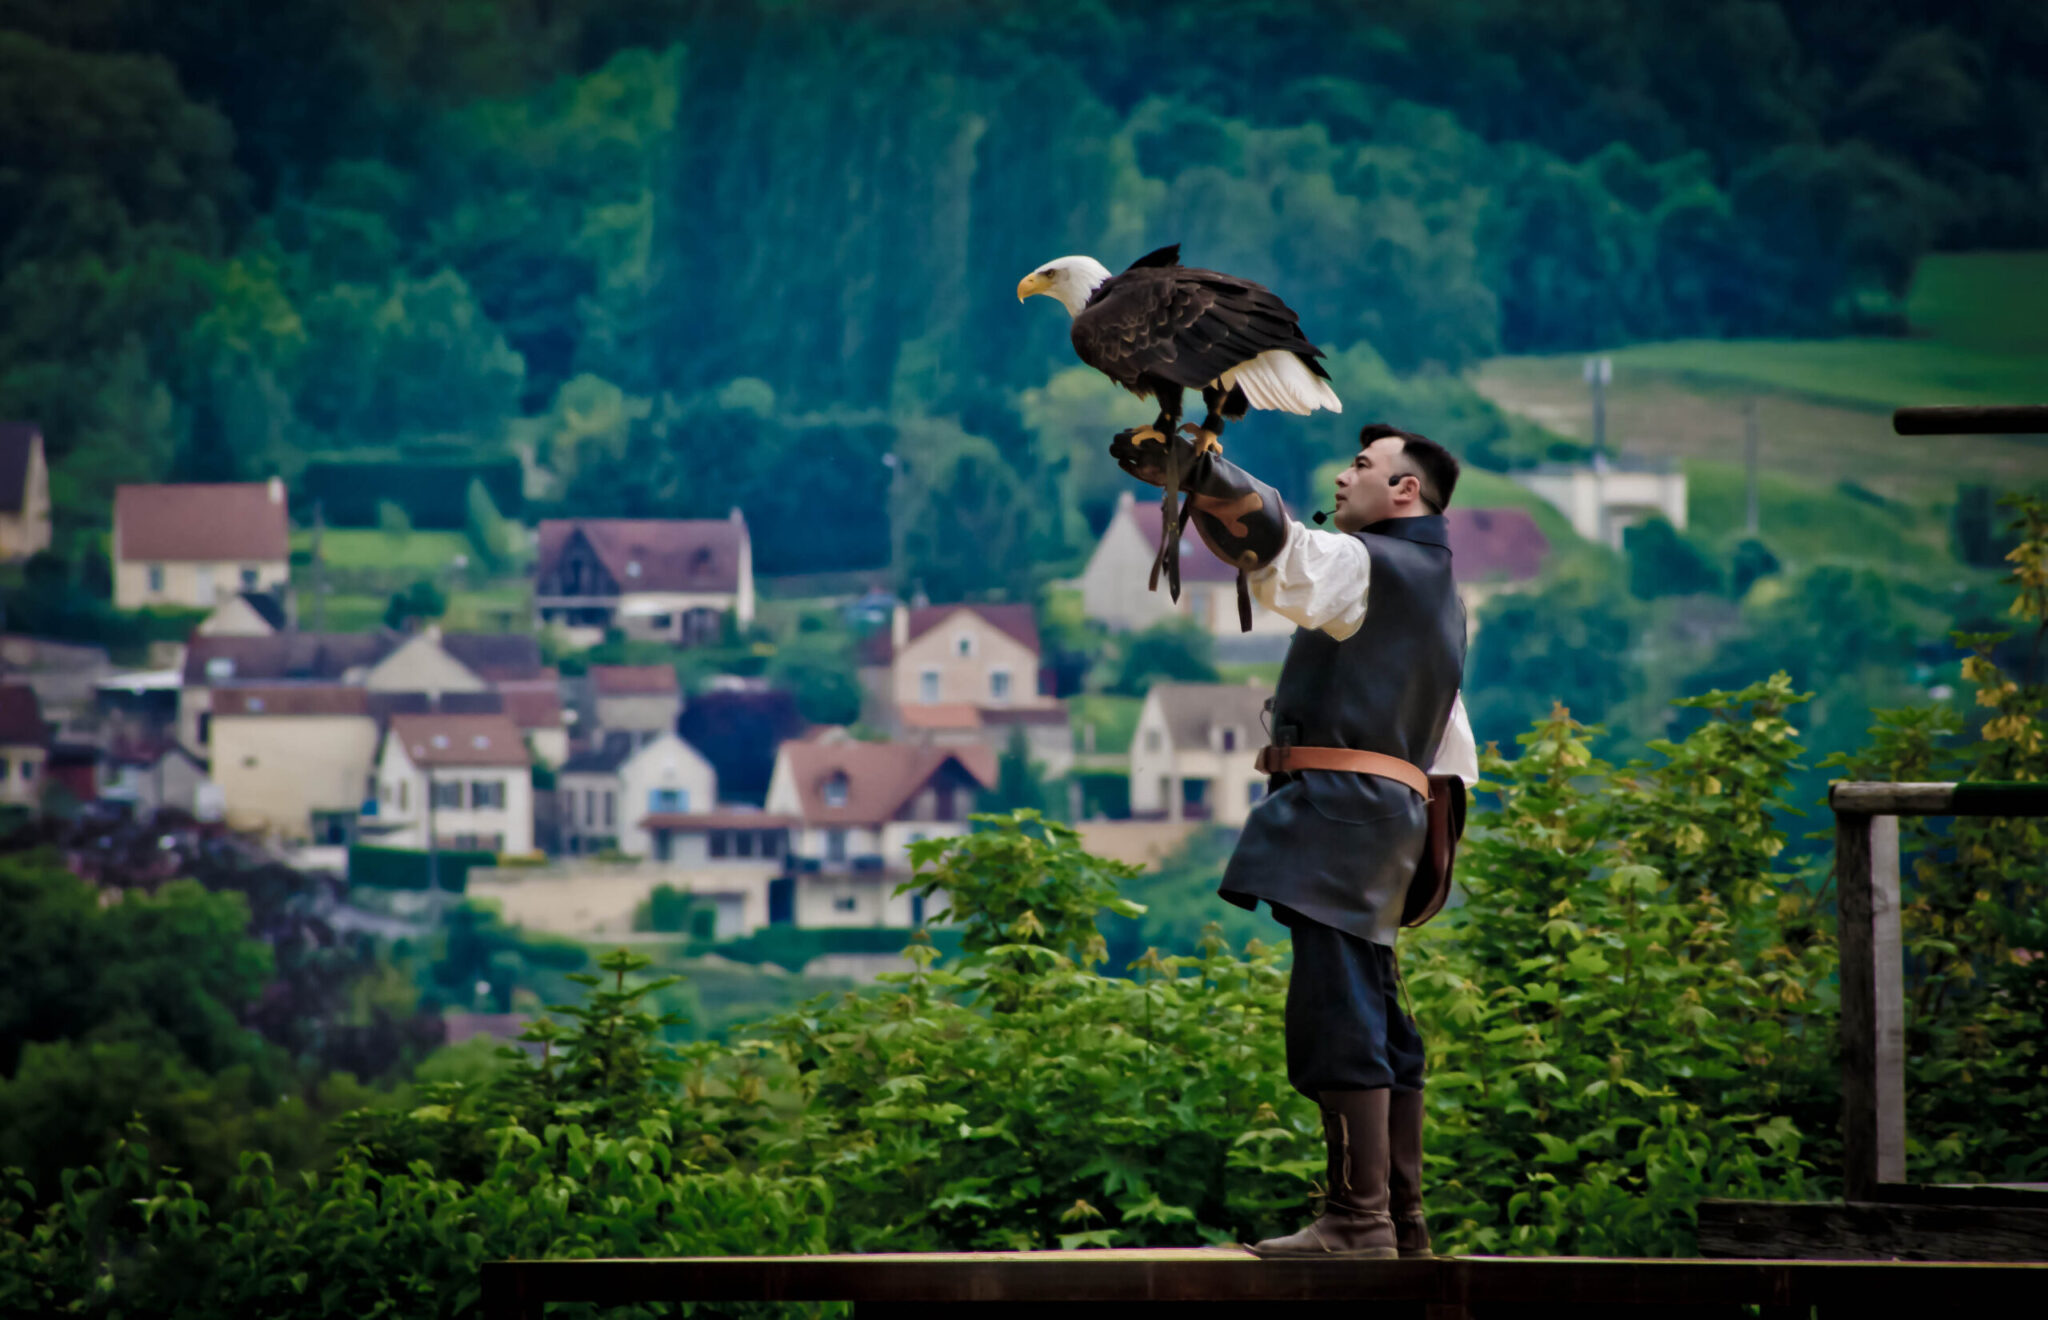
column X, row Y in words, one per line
column 858, row 806
column 657, row 579
column 1606, row 497
column 465, row 781
column 1192, row 752
column 641, row 795
column 1113, row 586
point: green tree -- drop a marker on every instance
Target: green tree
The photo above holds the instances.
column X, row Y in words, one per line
column 418, row 603
column 1174, row 651
column 1663, row 562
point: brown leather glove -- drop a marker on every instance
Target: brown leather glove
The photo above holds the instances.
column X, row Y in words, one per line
column 1240, row 518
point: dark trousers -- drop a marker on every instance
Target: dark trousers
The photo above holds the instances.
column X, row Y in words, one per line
column 1346, row 1030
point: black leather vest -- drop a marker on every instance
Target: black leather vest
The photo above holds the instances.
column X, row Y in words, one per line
column 1336, row 847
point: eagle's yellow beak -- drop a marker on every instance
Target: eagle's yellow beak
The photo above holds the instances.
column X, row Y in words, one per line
column 1035, row 282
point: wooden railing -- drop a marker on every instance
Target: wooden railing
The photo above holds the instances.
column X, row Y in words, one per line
column 1873, row 1023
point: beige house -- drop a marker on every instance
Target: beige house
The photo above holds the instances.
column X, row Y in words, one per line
column 196, row 545
column 1113, row 585
column 465, row 781
column 671, row 580
column 858, row 806
column 1193, row 750
column 24, row 491
column 948, row 676
column 292, row 760
column 282, row 658
column 24, row 746
column 641, row 699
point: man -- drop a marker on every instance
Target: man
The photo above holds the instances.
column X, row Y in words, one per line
column 1368, row 697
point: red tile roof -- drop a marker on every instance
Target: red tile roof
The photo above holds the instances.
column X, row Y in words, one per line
column 671, row 554
column 291, row 699
column 241, row 522
column 21, row 717
column 463, row 740
column 1495, row 544
column 880, row 777
column 533, row 705
column 283, row 655
column 633, row 680
column 1016, row 621
column 716, row 820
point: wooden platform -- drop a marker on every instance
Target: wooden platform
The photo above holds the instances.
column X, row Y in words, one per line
column 1443, row 1289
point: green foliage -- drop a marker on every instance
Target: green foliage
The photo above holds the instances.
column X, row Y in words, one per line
column 413, row 868
column 1663, row 562
column 393, row 520
column 416, row 604
column 1018, row 784
column 1173, row 651
column 674, row 911
column 1567, row 643
column 1751, row 561
column 480, row 961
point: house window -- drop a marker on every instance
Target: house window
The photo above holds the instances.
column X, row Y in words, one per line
column 1152, row 740
column 1230, row 740
column 744, row 841
column 835, row 845
column 205, row 729
column 846, row 903
column 28, row 770
column 718, row 843
column 999, row 685
column 590, row 806
column 610, row 807
column 928, row 686
column 156, row 578
column 404, row 794
column 771, row 844
column 447, row 794
column 3, row 769
column 487, row 793
column 248, row 578
column 963, row 645
column 942, row 807
column 497, row 843
column 835, row 791
column 668, row 800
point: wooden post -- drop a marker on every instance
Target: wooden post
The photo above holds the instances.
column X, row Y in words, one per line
column 1873, row 1003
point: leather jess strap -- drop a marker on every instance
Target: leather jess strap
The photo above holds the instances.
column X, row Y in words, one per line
column 1290, row 760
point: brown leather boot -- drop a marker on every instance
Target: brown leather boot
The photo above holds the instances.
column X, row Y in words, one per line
column 1404, row 1173
column 1355, row 1223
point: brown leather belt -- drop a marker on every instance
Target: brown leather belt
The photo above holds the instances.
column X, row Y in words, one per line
column 1289, row 760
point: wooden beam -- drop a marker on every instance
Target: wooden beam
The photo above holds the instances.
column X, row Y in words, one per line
column 1971, row 799
column 1869, row 1230
column 2007, row 419
column 1873, row 1003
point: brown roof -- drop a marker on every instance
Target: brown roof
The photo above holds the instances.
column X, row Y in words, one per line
column 17, row 443
column 1053, row 714
column 1016, row 621
column 495, row 657
column 939, row 715
column 432, row 740
column 284, row 655
column 671, row 554
column 1496, row 544
column 1196, row 563
column 535, row 704
column 716, row 820
column 244, row 521
column 291, row 699
column 880, row 777
column 21, row 717
column 1193, row 709
column 633, row 680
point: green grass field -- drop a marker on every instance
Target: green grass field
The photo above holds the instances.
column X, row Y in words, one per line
column 421, row 553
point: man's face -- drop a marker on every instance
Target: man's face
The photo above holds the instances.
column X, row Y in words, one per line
column 1364, row 493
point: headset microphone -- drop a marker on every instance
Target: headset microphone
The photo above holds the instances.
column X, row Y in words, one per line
column 1320, row 518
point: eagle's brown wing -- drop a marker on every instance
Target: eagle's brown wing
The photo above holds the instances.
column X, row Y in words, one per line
column 1184, row 326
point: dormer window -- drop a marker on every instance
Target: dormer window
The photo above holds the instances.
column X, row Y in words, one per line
column 479, row 742
column 220, row 667
column 633, row 568
column 835, row 790
column 440, row 740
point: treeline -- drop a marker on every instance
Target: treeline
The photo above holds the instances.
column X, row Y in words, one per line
column 688, row 255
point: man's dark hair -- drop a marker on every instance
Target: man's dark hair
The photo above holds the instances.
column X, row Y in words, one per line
column 1436, row 465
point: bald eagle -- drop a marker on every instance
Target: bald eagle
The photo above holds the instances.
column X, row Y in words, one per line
column 1161, row 328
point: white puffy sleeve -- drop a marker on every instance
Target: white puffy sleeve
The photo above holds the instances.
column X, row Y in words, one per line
column 1458, row 753
column 1318, row 580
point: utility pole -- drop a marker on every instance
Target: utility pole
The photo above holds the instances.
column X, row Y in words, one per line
column 1597, row 372
column 1751, row 436
column 319, row 567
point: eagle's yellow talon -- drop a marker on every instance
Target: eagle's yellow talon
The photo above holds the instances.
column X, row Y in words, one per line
column 1207, row 443
column 1144, row 433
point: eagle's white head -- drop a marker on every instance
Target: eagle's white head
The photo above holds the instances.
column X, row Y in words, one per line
column 1070, row 279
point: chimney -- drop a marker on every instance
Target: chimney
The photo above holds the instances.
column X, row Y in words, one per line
column 899, row 627
column 277, row 490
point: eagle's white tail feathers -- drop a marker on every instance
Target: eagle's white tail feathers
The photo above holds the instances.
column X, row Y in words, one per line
column 1278, row 381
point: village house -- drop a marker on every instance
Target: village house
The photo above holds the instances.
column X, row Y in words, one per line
column 858, row 806
column 289, row 657
column 1114, row 591
column 960, row 676
column 195, row 545
column 24, row 492
column 24, row 746
column 292, row 760
column 1493, row 551
column 671, row 580
column 151, row 776
column 1193, row 749
column 455, row 781
column 650, row 796
column 638, row 699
